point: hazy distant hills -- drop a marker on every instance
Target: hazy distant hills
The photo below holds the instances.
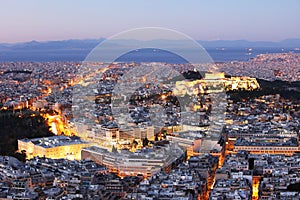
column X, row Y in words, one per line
column 77, row 50
column 65, row 50
column 91, row 43
column 52, row 45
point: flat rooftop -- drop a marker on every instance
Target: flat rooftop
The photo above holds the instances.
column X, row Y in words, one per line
column 54, row 141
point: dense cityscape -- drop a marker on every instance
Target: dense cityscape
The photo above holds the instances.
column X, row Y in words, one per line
column 192, row 151
column 150, row 100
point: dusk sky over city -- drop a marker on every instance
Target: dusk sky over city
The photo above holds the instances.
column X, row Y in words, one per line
column 271, row 20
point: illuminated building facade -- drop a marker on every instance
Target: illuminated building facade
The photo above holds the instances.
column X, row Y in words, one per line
column 286, row 146
column 263, row 149
column 52, row 147
column 126, row 163
column 139, row 132
column 189, row 140
column 217, row 82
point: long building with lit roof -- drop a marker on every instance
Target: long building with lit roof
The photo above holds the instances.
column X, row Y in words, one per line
column 53, row 147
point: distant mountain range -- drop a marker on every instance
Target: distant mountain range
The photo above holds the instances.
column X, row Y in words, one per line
column 77, row 44
column 51, row 45
column 77, row 50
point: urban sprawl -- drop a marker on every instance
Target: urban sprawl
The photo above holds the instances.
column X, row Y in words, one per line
column 169, row 131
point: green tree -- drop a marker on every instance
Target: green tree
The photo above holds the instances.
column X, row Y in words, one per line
column 114, row 149
column 145, row 142
column 134, row 143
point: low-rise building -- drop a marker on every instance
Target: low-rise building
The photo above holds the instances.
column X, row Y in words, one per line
column 53, row 147
column 145, row 162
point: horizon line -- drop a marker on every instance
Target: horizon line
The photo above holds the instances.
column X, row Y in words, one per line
column 103, row 38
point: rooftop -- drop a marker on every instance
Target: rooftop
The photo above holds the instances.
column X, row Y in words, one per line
column 54, row 141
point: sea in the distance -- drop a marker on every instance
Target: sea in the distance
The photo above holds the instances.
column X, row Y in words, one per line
column 142, row 55
column 217, row 54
